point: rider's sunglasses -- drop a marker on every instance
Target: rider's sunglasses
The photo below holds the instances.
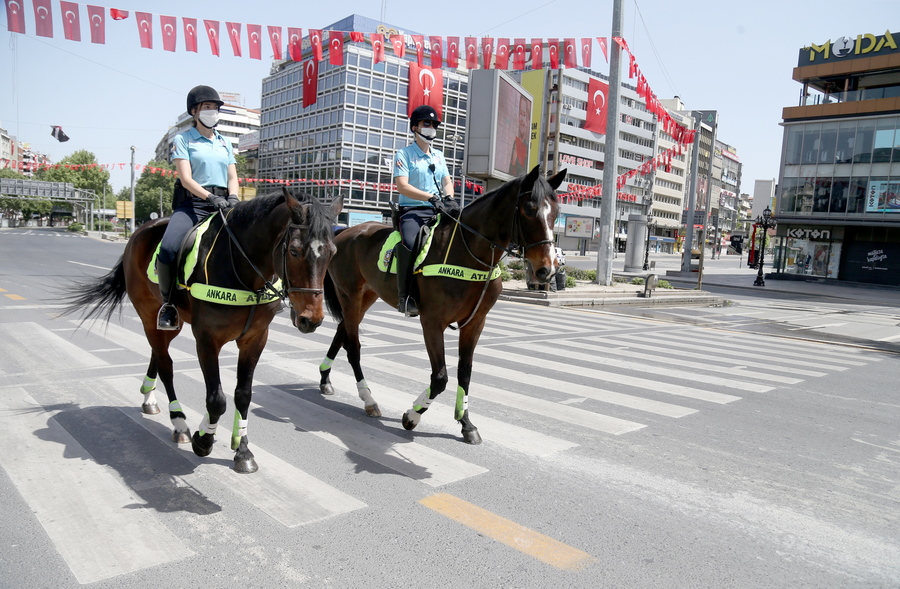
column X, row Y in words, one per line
column 429, row 124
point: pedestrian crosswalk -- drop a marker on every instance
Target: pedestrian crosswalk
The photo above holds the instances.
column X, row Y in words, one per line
column 544, row 382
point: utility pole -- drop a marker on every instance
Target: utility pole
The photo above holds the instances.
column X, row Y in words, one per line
column 610, row 155
column 161, row 214
column 688, row 244
column 132, row 189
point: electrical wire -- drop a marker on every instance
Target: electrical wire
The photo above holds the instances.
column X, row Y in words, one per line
column 655, row 52
column 516, row 18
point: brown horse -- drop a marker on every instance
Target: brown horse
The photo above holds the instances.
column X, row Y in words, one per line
column 458, row 282
column 258, row 254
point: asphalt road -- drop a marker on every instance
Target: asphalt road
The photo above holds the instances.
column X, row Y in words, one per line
column 619, row 451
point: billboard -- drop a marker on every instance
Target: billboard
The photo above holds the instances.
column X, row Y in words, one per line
column 499, row 122
column 883, row 196
column 580, row 227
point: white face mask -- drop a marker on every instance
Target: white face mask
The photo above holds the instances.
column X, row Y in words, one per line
column 209, row 118
column 428, row 133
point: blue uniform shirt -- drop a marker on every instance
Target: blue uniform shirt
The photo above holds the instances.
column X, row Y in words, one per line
column 414, row 163
column 209, row 158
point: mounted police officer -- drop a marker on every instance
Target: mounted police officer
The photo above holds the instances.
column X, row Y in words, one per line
column 207, row 182
column 425, row 187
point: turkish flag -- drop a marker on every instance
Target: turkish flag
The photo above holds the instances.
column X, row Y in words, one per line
column 570, row 53
column 169, row 35
column 426, row 86
column 437, row 52
column 553, row 46
column 145, row 28
column 519, row 54
column 471, row 53
column 537, row 54
column 399, row 44
column 453, row 52
column 419, row 42
column 310, row 81
column 501, row 62
column 357, row 36
column 602, row 42
column 586, row 44
column 336, row 47
column 377, row 47
column 315, row 40
column 212, row 31
column 254, row 32
column 97, row 16
column 15, row 19
column 295, row 44
column 234, row 33
column 596, row 106
column 43, row 18
column 487, row 51
column 117, row 14
column 275, row 38
column 190, row 34
column 71, row 22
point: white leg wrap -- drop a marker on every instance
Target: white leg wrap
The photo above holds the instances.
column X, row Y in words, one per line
column 179, row 424
column 423, row 401
column 362, row 388
column 174, row 406
column 206, row 427
column 147, row 390
column 326, row 364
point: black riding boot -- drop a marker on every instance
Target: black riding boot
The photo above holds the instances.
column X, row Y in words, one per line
column 167, row 319
column 406, row 305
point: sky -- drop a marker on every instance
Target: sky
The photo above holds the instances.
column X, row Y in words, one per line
column 734, row 57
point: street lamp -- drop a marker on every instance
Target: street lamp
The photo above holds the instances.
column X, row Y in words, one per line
column 766, row 222
column 452, row 141
column 650, row 226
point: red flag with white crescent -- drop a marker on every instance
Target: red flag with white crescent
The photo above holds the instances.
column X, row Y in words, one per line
column 15, row 18
column 553, row 46
column 537, row 54
column 453, row 52
column 437, row 51
column 43, row 18
column 419, row 42
column 519, row 54
column 570, row 53
column 315, row 41
column 426, row 86
column 212, row 31
column 116, row 14
column 295, row 45
column 145, row 28
column 167, row 27
column 501, row 61
column 190, row 34
column 357, row 36
column 602, row 42
column 336, row 47
column 487, row 52
column 71, row 22
column 398, row 42
column 596, row 106
column 471, row 53
column 275, row 39
column 97, row 17
column 310, row 82
column 234, row 33
column 377, row 47
column 586, row 45
column 254, row 34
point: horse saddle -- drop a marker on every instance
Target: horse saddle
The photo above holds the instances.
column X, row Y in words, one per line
column 186, row 259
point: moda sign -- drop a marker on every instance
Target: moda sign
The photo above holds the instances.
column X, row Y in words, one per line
column 866, row 45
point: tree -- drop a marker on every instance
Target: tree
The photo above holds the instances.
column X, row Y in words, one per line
column 90, row 177
column 149, row 187
column 9, row 173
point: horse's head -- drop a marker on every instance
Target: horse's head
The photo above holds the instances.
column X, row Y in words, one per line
column 308, row 248
column 536, row 214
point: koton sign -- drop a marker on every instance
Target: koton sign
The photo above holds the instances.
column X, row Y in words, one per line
column 802, row 233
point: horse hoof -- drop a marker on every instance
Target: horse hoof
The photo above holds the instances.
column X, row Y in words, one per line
column 326, row 389
column 245, row 465
column 408, row 424
column 198, row 447
column 471, row 436
column 150, row 408
column 375, row 411
column 180, row 437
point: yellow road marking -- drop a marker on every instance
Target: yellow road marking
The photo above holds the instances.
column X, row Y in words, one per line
column 15, row 297
column 2, row 290
column 537, row 545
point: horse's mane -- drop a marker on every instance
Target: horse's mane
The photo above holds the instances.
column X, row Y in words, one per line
column 514, row 184
column 320, row 218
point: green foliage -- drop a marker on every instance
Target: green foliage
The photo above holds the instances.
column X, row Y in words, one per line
column 76, row 227
column 664, row 284
column 7, row 173
column 518, row 274
column 103, row 226
column 88, row 178
column 570, row 282
column 620, row 279
column 30, row 208
column 581, row 274
column 504, row 272
column 516, row 265
column 147, row 190
column 637, row 280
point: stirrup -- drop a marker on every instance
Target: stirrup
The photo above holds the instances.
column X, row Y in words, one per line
column 167, row 318
column 408, row 307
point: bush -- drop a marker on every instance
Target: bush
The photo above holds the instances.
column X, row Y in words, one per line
column 104, row 226
column 637, row 280
column 518, row 274
column 581, row 274
column 76, row 227
column 620, row 279
column 664, row 284
column 516, row 265
column 570, row 281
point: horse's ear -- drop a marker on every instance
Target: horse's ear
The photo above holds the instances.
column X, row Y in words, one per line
column 533, row 175
column 289, row 197
column 337, row 205
column 556, row 180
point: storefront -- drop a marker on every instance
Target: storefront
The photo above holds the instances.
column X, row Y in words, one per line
column 809, row 251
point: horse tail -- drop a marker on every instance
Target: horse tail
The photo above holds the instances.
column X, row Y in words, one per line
column 331, row 299
column 97, row 298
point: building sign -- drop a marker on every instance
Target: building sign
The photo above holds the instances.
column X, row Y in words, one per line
column 871, row 261
column 842, row 48
column 883, row 197
column 580, row 227
column 571, row 160
column 813, row 233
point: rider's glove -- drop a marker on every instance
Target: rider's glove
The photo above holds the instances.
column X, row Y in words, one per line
column 218, row 201
column 438, row 204
column 451, row 207
column 233, row 200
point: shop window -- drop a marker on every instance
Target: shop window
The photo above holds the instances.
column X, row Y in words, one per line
column 856, row 195
column 828, row 143
column 822, row 195
column 811, row 133
column 862, row 148
column 840, row 188
column 884, row 141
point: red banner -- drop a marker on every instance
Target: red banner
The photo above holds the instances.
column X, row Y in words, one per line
column 399, row 45
column 190, row 34
column 295, row 44
column 553, row 47
column 335, row 47
column 145, row 28
column 419, row 42
column 586, row 45
column 501, row 62
column 426, row 86
column 487, row 52
column 254, row 39
column 519, row 54
column 97, row 18
column 212, row 31
column 377, row 47
column 315, row 41
column 275, row 39
column 596, row 106
column 570, row 53
column 537, row 54
column 15, row 18
column 437, row 52
column 234, row 33
column 71, row 21
column 43, row 18
column 310, row 82
column 471, row 53
column 453, row 52
column 167, row 25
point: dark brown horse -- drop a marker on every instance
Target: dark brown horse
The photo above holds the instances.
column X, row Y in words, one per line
column 456, row 282
column 262, row 252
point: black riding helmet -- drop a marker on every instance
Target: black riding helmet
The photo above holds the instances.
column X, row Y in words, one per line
column 423, row 113
column 201, row 94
